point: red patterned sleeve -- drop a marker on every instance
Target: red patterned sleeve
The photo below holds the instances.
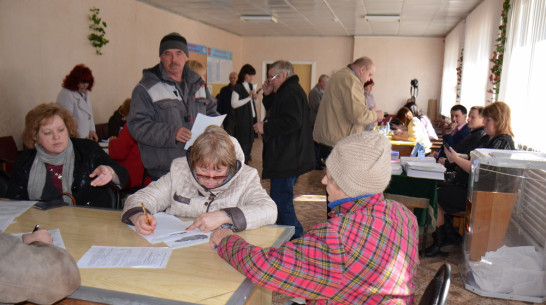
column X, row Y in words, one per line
column 310, row 267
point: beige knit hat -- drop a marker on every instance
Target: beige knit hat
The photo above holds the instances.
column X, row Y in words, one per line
column 360, row 164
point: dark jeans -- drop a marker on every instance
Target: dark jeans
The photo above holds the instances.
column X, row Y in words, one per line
column 247, row 149
column 282, row 192
column 318, row 157
column 324, row 153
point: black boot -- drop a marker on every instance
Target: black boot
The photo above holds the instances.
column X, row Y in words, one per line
column 451, row 237
column 438, row 238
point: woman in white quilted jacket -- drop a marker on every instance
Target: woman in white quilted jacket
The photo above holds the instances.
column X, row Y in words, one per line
column 211, row 183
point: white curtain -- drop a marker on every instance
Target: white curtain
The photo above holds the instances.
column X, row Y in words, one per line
column 452, row 52
column 481, row 31
column 523, row 79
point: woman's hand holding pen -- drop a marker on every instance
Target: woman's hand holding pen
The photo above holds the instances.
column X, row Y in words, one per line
column 217, row 236
column 141, row 223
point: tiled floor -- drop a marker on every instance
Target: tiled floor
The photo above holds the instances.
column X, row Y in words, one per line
column 311, row 209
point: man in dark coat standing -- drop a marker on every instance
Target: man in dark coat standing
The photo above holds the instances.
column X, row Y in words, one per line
column 287, row 139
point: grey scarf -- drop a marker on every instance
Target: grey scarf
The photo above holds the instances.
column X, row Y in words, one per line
column 38, row 172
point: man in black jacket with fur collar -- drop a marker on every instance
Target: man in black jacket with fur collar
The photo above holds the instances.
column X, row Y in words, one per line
column 287, row 139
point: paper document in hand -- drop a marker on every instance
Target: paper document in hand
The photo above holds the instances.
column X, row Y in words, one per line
column 201, row 123
column 119, row 257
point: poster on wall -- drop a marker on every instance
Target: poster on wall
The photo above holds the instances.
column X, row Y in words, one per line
column 219, row 62
column 219, row 65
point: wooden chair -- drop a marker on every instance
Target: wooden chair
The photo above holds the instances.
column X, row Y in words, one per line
column 459, row 221
column 102, row 131
column 413, row 203
column 8, row 153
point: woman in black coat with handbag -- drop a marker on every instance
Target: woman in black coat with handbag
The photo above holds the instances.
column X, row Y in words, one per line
column 56, row 164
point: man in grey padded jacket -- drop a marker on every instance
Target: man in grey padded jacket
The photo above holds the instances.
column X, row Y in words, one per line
column 164, row 106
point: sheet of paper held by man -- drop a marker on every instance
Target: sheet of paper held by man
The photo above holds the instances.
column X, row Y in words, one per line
column 172, row 231
column 201, row 122
column 120, row 257
column 12, row 209
column 55, row 233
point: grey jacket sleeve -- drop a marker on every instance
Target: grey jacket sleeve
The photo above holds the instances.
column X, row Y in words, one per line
column 37, row 273
column 142, row 125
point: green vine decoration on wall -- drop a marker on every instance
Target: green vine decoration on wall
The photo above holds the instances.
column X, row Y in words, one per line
column 97, row 26
column 459, row 76
column 498, row 54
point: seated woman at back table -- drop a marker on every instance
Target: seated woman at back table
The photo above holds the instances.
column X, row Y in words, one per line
column 124, row 149
column 418, row 113
column 211, row 183
column 452, row 197
column 416, row 130
column 56, row 163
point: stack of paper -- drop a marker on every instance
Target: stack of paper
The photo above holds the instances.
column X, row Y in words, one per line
column 405, row 160
column 426, row 170
column 396, row 167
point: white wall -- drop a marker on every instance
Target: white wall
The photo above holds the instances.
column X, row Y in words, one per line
column 398, row 61
column 41, row 41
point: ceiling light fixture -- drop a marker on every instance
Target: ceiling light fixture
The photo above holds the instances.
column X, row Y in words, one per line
column 258, row 18
column 383, row 18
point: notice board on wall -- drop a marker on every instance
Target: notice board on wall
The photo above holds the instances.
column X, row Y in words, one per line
column 219, row 64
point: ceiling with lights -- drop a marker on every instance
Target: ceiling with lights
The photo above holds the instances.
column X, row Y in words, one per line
column 342, row 18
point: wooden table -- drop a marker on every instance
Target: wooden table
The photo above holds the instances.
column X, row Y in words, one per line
column 193, row 275
column 423, row 195
column 403, row 147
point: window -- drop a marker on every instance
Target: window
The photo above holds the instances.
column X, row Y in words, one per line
column 523, row 81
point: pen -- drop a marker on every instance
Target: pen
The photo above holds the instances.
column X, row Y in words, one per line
column 146, row 214
column 36, row 228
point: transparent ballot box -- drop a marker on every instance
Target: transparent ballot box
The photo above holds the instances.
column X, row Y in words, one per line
column 505, row 236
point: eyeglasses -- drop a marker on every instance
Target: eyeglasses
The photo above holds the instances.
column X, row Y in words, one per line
column 273, row 77
column 215, row 178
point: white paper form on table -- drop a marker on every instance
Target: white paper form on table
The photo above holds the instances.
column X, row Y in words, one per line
column 119, row 257
column 201, row 123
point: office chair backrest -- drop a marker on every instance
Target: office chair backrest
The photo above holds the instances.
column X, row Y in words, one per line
column 106, row 196
column 8, row 152
column 438, row 288
column 4, row 182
